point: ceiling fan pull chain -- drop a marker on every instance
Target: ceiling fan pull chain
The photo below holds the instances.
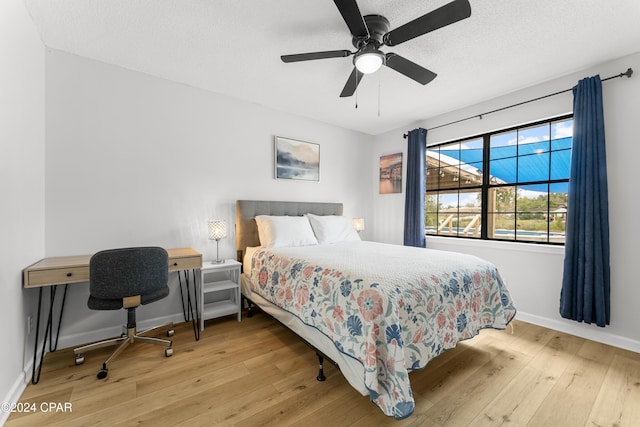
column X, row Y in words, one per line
column 379, row 78
column 356, row 78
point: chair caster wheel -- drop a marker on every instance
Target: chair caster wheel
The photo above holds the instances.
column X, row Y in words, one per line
column 79, row 359
column 168, row 352
column 170, row 333
column 102, row 373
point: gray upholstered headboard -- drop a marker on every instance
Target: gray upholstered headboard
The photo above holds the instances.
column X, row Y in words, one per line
column 247, row 210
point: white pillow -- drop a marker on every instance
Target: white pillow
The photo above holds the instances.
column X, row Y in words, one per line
column 278, row 231
column 332, row 228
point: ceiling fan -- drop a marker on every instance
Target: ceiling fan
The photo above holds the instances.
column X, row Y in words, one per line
column 372, row 31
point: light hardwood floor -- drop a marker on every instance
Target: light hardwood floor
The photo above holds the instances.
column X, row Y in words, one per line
column 257, row 373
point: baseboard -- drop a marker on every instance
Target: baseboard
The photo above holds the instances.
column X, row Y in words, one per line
column 590, row 332
column 15, row 392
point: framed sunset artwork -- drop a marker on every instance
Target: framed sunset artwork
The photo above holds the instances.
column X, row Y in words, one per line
column 391, row 174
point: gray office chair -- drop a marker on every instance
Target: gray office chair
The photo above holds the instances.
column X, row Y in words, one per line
column 127, row 278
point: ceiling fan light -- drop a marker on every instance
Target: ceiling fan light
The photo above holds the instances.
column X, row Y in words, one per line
column 369, row 62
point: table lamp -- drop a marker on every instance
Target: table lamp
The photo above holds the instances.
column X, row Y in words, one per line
column 217, row 231
column 358, row 224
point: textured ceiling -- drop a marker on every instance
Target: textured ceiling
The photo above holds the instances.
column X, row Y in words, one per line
column 233, row 48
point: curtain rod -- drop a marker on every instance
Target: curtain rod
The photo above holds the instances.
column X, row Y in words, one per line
column 627, row 73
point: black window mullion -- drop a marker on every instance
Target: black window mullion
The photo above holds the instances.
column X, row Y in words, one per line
column 484, row 206
column 515, row 206
column 549, row 187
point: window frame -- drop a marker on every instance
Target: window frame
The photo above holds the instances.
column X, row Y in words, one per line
column 486, row 186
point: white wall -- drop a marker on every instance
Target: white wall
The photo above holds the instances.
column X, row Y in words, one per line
column 534, row 272
column 136, row 160
column 22, row 178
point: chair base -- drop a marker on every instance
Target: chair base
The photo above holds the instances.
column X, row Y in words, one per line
column 127, row 338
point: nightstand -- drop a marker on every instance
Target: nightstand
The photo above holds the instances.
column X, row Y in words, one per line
column 219, row 290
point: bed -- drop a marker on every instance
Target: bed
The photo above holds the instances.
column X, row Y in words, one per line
column 378, row 311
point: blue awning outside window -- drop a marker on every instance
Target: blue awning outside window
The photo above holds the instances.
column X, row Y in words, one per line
column 522, row 163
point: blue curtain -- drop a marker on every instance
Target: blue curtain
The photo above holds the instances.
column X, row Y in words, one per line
column 415, row 189
column 586, row 281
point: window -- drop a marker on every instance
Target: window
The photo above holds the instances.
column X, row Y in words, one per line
column 506, row 185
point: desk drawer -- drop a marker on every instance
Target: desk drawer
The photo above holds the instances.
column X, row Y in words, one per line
column 56, row 276
column 186, row 263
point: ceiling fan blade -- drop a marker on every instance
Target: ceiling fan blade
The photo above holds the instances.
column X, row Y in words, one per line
column 409, row 68
column 353, row 18
column 448, row 14
column 352, row 83
column 315, row 55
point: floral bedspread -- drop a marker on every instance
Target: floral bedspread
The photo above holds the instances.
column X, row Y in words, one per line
column 393, row 308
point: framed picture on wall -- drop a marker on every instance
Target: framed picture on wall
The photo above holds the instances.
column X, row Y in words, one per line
column 391, row 174
column 297, row 160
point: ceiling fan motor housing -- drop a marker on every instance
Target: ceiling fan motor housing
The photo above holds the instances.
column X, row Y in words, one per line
column 378, row 26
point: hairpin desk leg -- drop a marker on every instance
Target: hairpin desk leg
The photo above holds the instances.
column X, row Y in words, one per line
column 48, row 333
column 191, row 309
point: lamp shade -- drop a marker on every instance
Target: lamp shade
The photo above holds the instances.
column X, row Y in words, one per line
column 358, row 223
column 217, row 229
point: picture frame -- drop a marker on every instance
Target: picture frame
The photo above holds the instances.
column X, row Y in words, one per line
column 390, row 174
column 296, row 160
